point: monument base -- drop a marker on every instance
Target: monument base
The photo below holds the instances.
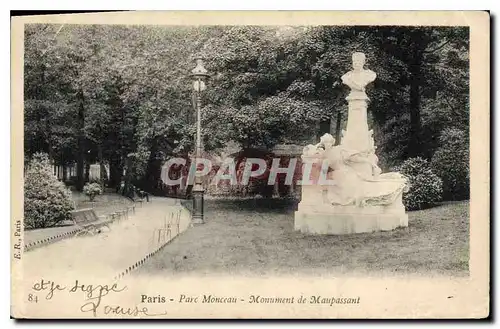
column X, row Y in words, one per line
column 337, row 220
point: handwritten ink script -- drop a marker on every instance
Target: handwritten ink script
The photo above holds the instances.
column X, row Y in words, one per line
column 93, row 295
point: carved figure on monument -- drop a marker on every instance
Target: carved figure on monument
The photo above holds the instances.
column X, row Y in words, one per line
column 356, row 186
column 351, row 185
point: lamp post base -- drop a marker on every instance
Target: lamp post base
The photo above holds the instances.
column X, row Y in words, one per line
column 198, row 216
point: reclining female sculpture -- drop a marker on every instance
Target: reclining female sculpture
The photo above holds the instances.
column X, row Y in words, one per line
column 351, row 185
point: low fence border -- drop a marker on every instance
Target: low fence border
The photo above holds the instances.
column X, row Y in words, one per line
column 143, row 260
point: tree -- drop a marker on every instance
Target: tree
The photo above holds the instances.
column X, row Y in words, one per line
column 49, row 116
column 426, row 56
column 123, row 95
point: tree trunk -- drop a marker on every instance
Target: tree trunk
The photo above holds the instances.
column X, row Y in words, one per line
column 102, row 170
column 80, row 181
column 87, row 171
column 153, row 168
column 49, row 145
column 128, row 177
column 115, row 172
column 65, row 172
column 324, row 127
column 414, row 146
column 338, row 127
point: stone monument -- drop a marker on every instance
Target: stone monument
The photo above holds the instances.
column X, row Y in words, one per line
column 346, row 192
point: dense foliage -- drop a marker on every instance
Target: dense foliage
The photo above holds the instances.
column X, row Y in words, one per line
column 47, row 201
column 425, row 187
column 451, row 163
column 122, row 95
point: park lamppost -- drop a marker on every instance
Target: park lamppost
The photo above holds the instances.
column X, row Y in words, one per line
column 200, row 75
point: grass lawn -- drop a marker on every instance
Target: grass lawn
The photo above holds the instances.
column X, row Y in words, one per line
column 252, row 238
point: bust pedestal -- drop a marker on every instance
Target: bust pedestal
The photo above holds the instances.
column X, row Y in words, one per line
column 357, row 136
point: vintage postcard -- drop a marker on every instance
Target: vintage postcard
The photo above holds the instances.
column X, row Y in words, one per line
column 285, row 165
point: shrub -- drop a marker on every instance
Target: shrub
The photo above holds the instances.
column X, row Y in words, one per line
column 425, row 187
column 451, row 163
column 47, row 201
column 92, row 189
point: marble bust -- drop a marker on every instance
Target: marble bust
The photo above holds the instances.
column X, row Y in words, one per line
column 358, row 78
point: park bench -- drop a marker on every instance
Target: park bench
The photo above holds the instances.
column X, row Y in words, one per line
column 138, row 196
column 88, row 221
column 135, row 194
column 144, row 195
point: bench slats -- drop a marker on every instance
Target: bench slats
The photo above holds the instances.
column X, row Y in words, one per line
column 84, row 216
